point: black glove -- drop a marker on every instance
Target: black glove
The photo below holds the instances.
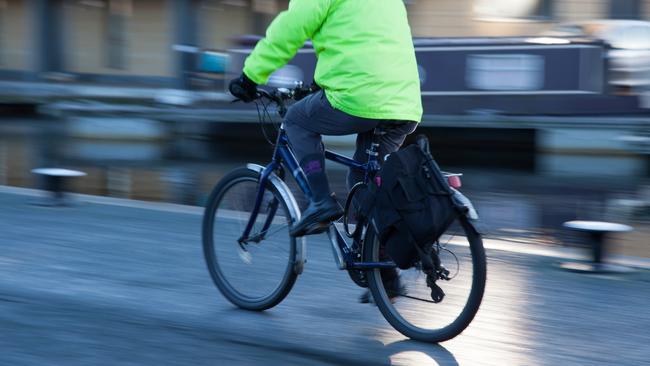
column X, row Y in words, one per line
column 243, row 88
column 303, row 92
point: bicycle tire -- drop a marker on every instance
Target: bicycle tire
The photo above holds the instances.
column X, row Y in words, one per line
column 216, row 270
column 461, row 322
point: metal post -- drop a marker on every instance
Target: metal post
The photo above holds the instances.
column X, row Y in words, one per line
column 185, row 38
column 598, row 241
column 47, row 35
column 116, row 41
column 3, row 6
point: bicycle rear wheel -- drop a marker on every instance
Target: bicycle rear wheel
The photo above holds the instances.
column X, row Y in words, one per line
column 257, row 274
column 413, row 313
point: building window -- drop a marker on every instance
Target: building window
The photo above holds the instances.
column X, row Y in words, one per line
column 513, row 72
column 625, row 9
column 513, row 10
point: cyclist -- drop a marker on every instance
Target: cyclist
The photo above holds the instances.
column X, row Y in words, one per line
column 367, row 73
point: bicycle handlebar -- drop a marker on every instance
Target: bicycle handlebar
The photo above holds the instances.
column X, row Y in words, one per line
column 280, row 95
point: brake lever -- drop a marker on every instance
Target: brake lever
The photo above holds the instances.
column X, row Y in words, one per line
column 261, row 93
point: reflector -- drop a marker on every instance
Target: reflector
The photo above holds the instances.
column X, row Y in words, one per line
column 454, row 181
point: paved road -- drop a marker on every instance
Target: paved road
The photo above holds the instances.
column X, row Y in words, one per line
column 105, row 284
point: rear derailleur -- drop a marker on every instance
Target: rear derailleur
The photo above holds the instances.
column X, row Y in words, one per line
column 435, row 273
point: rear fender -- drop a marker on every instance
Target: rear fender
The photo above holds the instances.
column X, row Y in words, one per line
column 469, row 211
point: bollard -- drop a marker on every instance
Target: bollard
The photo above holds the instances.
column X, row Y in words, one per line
column 596, row 234
column 53, row 181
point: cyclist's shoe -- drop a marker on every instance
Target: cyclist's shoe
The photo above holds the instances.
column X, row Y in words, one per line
column 317, row 217
column 394, row 289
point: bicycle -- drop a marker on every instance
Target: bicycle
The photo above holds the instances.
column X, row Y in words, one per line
column 251, row 205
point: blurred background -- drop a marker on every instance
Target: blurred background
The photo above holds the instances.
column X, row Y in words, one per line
column 543, row 104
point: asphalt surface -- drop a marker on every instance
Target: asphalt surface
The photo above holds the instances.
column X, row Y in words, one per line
column 109, row 284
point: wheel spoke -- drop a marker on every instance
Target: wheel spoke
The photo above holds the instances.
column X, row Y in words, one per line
column 266, row 233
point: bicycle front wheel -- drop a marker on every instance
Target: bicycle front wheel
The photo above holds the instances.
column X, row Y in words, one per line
column 409, row 306
column 256, row 273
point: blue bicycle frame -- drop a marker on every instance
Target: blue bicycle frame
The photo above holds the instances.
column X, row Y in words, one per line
column 346, row 256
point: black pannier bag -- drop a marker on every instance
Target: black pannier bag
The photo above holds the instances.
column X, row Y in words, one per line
column 411, row 205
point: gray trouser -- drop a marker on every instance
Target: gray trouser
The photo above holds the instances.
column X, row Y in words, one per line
column 314, row 116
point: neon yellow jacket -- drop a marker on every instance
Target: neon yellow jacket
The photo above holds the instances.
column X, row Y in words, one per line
column 366, row 60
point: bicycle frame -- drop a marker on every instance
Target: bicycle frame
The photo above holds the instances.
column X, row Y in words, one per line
column 283, row 157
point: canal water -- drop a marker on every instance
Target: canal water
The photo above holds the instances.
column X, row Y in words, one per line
column 148, row 160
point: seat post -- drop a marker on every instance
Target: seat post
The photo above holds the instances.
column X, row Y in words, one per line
column 373, row 151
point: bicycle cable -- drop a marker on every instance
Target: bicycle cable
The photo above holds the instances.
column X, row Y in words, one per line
column 261, row 119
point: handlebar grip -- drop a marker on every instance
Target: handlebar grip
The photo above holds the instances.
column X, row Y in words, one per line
column 238, row 92
column 235, row 89
column 300, row 93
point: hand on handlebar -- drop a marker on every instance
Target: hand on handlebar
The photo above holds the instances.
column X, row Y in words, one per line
column 243, row 88
column 246, row 90
column 301, row 92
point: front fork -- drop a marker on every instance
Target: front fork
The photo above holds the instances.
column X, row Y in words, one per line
column 273, row 207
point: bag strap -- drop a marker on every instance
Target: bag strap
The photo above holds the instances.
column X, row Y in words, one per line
column 427, row 263
column 428, row 267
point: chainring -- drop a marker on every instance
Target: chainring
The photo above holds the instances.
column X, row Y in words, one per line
column 358, row 276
